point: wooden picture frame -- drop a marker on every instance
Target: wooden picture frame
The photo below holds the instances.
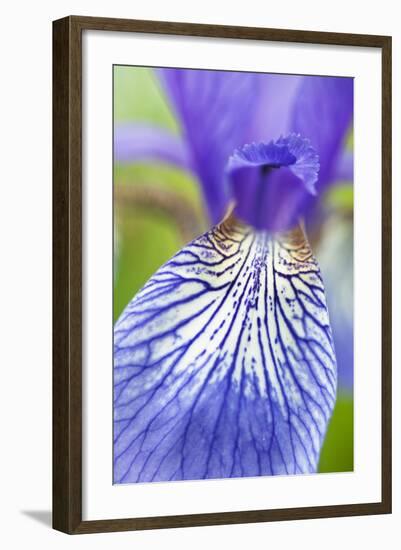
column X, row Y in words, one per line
column 67, row 273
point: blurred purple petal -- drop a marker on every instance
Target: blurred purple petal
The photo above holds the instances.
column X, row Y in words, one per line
column 272, row 113
column 214, row 110
column 344, row 169
column 272, row 182
column 135, row 143
column 336, row 258
column 322, row 112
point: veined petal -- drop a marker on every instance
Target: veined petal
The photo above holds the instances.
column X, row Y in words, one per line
column 213, row 108
column 224, row 363
column 271, row 182
column 138, row 142
column 322, row 111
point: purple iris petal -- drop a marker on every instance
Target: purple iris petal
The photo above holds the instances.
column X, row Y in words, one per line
column 273, row 111
column 322, row 111
column 344, row 170
column 336, row 254
column 319, row 108
column 136, row 143
column 271, row 182
column 213, row 108
column 224, row 363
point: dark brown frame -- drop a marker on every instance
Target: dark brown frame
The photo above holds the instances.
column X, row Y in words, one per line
column 67, row 274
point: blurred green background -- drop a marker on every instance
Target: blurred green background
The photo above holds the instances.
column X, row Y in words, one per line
column 158, row 208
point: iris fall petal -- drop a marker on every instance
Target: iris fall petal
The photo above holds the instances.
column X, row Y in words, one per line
column 224, row 363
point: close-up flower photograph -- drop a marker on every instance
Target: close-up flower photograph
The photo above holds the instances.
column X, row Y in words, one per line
column 233, row 274
column 201, row 275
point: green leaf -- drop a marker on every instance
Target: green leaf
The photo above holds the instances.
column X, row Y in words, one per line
column 338, row 449
column 340, row 197
column 138, row 97
column 145, row 242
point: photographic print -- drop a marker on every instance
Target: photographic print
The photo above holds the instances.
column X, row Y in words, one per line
column 233, row 274
column 221, row 275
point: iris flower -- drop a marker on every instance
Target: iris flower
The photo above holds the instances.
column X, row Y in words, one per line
column 224, row 363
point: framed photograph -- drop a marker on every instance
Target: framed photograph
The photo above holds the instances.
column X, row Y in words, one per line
column 222, row 274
